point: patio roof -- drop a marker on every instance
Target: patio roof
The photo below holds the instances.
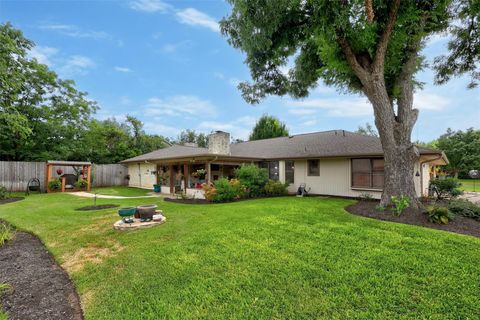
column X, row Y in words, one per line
column 68, row 163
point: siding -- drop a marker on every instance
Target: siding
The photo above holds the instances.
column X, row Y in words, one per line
column 141, row 175
column 335, row 178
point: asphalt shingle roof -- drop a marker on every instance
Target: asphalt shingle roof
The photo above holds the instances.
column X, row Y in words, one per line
column 334, row 143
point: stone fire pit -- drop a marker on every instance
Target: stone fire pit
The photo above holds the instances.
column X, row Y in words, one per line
column 158, row 219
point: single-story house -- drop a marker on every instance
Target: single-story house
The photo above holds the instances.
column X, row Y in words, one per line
column 336, row 162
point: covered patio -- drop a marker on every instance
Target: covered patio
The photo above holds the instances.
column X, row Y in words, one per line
column 188, row 175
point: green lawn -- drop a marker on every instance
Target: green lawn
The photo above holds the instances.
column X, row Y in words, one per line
column 470, row 185
column 122, row 191
column 276, row 258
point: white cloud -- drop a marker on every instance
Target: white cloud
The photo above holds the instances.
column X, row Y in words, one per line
column 77, row 65
column 239, row 128
column 430, row 101
column 180, row 105
column 76, row 32
column 219, row 75
column 125, row 100
column 123, row 69
column 150, row 6
column 43, row 54
column 195, row 17
column 156, row 127
column 173, row 47
column 335, row 107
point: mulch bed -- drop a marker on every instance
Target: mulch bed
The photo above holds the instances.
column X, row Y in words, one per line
column 10, row 200
column 40, row 289
column 188, row 201
column 460, row 225
column 99, row 207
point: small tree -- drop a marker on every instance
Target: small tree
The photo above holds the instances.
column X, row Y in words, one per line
column 268, row 127
column 253, row 178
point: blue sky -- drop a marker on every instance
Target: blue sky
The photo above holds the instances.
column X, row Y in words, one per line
column 166, row 63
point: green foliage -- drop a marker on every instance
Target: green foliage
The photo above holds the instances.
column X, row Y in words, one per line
column 81, row 184
column 210, row 192
column 268, row 127
column 446, row 188
column 191, row 136
column 6, row 233
column 364, row 196
column 253, row 178
column 275, row 188
column 464, row 208
column 462, row 149
column 399, row 204
column 380, row 208
column 439, row 215
column 54, row 184
column 368, row 130
column 3, row 193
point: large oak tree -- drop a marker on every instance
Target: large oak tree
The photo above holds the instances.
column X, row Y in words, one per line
column 372, row 47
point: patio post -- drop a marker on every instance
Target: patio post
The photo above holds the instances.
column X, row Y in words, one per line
column 185, row 176
column 209, row 171
column 171, row 177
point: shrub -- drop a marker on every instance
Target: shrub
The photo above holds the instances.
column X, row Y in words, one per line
column 365, row 196
column 54, row 184
column 225, row 191
column 3, row 193
column 400, row 204
column 446, row 188
column 6, row 233
column 275, row 188
column 81, row 184
column 209, row 191
column 238, row 187
column 439, row 215
column 253, row 178
column 464, row 208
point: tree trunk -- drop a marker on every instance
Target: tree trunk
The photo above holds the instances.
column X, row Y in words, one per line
column 395, row 134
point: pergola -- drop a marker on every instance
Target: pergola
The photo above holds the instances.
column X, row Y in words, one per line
column 85, row 172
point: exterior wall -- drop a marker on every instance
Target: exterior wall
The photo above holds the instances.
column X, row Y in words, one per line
column 335, row 179
column 141, row 175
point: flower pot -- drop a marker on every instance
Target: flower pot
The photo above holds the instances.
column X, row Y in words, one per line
column 156, row 188
column 146, row 212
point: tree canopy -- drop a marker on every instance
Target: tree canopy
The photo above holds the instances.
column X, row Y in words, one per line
column 43, row 117
column 268, row 127
column 191, row 136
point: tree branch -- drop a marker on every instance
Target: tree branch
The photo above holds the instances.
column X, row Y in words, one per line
column 352, row 60
column 378, row 62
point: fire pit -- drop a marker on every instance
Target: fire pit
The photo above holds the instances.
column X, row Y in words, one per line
column 146, row 212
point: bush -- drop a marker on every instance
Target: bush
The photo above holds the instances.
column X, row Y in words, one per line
column 275, row 188
column 439, row 215
column 3, row 193
column 253, row 178
column 224, row 190
column 365, row 196
column 446, row 188
column 464, row 208
column 54, row 184
column 209, row 191
column 81, row 184
column 400, row 204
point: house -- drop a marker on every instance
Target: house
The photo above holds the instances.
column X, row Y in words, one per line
column 336, row 162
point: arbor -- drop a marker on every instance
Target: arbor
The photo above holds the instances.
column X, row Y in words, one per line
column 268, row 127
column 462, row 149
column 367, row 47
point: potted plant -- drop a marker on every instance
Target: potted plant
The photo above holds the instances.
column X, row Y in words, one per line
column 54, row 184
column 81, row 184
column 201, row 174
column 59, row 172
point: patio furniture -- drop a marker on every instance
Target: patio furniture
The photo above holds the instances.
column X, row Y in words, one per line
column 33, row 185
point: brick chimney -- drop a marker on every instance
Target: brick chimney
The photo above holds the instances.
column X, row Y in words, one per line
column 219, row 143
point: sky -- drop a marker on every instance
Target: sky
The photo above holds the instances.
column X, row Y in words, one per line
column 166, row 63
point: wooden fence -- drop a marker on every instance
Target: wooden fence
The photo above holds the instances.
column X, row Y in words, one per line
column 14, row 175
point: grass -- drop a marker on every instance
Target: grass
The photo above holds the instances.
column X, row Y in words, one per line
column 297, row 258
column 122, row 191
column 470, row 185
column 6, row 234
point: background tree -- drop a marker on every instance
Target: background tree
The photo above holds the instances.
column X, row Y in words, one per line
column 268, row 127
column 462, row 149
column 367, row 47
column 191, row 136
column 368, row 130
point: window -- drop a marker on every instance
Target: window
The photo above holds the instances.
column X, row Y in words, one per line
column 368, row 173
column 289, row 172
column 271, row 167
column 313, row 167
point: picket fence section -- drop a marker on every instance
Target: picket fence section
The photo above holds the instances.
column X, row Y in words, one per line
column 14, row 175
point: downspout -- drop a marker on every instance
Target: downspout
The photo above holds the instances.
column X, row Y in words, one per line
column 421, row 171
column 139, row 175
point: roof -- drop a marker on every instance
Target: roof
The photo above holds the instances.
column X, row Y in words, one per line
column 334, row 143
column 69, row 163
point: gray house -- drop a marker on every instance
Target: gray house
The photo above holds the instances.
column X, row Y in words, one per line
column 335, row 162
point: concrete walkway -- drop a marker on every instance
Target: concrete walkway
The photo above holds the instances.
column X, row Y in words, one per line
column 471, row 196
column 103, row 196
